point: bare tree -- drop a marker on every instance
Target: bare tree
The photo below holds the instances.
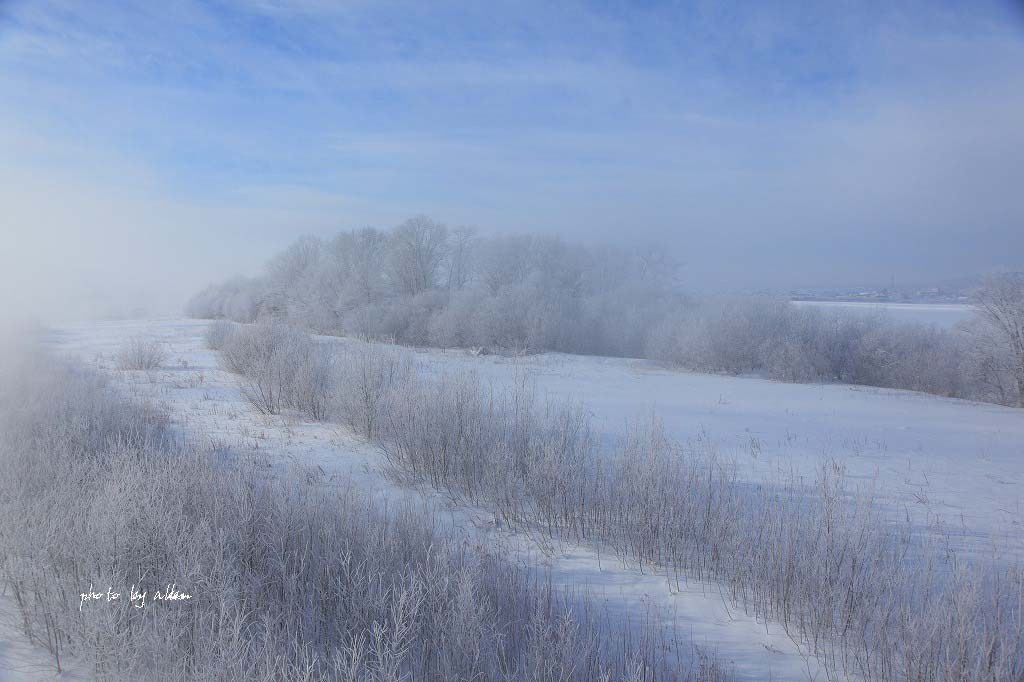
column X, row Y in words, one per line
column 419, row 247
column 368, row 280
column 459, row 264
column 1000, row 302
column 286, row 268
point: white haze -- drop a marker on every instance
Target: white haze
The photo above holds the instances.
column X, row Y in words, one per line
column 146, row 153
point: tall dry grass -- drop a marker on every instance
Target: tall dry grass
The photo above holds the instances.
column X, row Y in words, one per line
column 291, row 576
column 865, row 594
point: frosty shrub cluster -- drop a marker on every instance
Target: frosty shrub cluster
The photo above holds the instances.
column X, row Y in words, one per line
column 425, row 285
column 141, row 354
column 422, row 284
column 283, row 367
column 802, row 344
column 866, row 595
column 744, row 335
column 292, row 576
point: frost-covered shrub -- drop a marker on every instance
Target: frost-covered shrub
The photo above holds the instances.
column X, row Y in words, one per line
column 824, row 560
column 368, row 382
column 409, row 319
column 141, row 353
column 289, row 577
column 238, row 299
column 457, row 324
column 991, row 363
column 783, row 341
column 218, row 334
column 281, row 368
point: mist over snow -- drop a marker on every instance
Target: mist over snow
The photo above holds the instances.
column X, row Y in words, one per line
column 673, row 340
column 765, row 146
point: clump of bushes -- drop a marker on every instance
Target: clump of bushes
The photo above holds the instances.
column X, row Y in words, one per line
column 282, row 367
column 865, row 595
column 424, row 284
column 218, row 333
column 291, row 577
column 141, row 353
column 741, row 335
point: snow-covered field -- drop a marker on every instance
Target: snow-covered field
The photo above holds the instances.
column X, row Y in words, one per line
column 945, row 315
column 932, row 458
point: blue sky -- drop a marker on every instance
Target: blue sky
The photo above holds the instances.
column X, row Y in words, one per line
column 772, row 144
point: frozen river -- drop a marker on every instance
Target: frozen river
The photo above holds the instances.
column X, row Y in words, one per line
column 945, row 315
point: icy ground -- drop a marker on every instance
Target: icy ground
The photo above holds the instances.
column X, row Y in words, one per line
column 957, row 461
column 945, row 315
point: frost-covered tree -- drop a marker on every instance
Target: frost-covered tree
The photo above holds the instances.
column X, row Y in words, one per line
column 420, row 283
column 285, row 270
column 237, row 299
column 460, row 257
column 1000, row 302
column 418, row 250
column 363, row 255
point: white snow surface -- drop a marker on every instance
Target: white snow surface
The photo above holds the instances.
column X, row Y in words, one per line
column 937, row 460
column 953, row 460
column 22, row 661
column 946, row 315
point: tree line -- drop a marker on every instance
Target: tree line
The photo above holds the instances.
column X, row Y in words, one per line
column 424, row 284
